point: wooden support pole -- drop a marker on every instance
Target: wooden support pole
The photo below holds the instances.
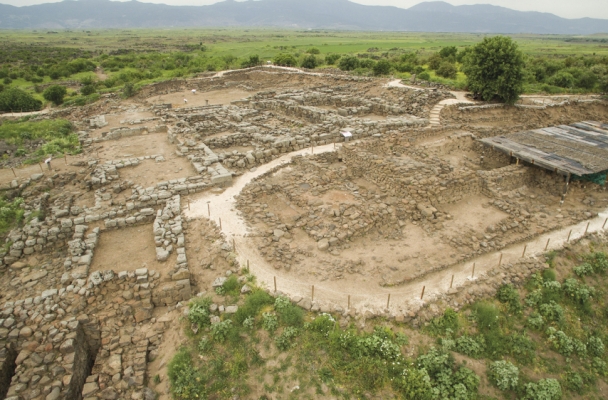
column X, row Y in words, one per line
column 188, row 204
column 312, row 297
column 604, row 226
column 208, row 209
column 13, row 169
column 566, row 188
column 348, row 302
column 452, row 282
column 220, row 223
column 275, row 284
column 587, row 228
column 422, row 294
column 500, row 261
column 547, row 245
column 65, row 157
column 569, row 234
column 524, row 252
column 40, row 165
column 388, row 301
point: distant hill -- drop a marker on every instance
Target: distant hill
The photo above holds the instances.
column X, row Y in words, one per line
column 301, row 14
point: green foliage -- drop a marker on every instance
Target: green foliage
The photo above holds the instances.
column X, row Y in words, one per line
column 323, row 324
column 186, row 382
column 564, row 344
column 448, row 52
column 562, row 79
column 220, row 331
column 82, row 100
column 253, row 61
column 535, row 321
column 598, row 261
column 270, row 322
column 249, row 322
column 128, row 90
column 577, row 292
column 595, row 346
column 232, row 285
column 55, row 94
column 470, row 346
column 447, row 322
column 11, row 214
column 87, row 90
column 285, row 339
column 504, row 375
column 331, row 59
column 204, row 345
column 313, row 50
column 584, row 269
column 508, row 295
column 552, row 311
column 285, row 60
column 425, row 76
column 447, row 70
column 56, row 134
column 382, row 67
column 461, row 384
column 494, row 68
column 574, row 382
column 348, row 63
column 254, row 302
column 486, row 315
column 199, row 313
column 310, row 62
column 14, row 99
column 545, row 389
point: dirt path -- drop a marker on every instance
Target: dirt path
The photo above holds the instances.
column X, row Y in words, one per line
column 362, row 295
column 24, row 114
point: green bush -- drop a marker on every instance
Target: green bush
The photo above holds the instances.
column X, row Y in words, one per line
column 323, row 324
column 128, row 90
column 186, row 381
column 270, row 322
column 15, row 100
column 254, row 302
column 348, row 63
column 535, row 321
column 574, row 382
column 285, row 60
column 55, row 94
column 253, row 61
column 285, row 339
column 313, row 50
column 447, row 70
column 470, row 346
column 596, row 346
column 504, row 375
column 545, row 389
column 220, row 331
column 577, row 292
column 87, row 90
column 382, row 67
column 199, row 313
column 552, row 311
column 11, row 214
column 331, row 59
column 232, row 285
column 486, row 315
column 598, row 261
column 509, row 296
column 310, row 62
column 584, row 269
column 448, row 322
column 425, row 76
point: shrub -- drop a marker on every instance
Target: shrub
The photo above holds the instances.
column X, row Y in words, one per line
column 55, row 94
column 596, row 346
column 231, row 285
column 14, row 99
column 425, row 76
column 285, row 339
column 249, row 322
column 1, row 88
column 545, row 389
column 599, row 262
column 254, row 302
column 447, row 70
column 448, row 51
column 270, row 322
column 470, row 346
column 564, row 344
column 285, row 60
column 331, row 59
column 220, row 331
column 382, row 67
column 552, row 311
column 313, row 50
column 310, row 62
column 535, row 321
column 199, row 313
column 487, row 317
column 87, row 90
column 447, row 322
column 204, row 345
column 509, row 296
column 348, row 63
column 562, row 79
column 11, row 214
column 534, row 298
column 583, row 269
column 323, row 324
column 128, row 90
column 574, row 382
column 578, row 292
column 186, row 382
column 253, row 61
column 292, row 315
column 504, row 375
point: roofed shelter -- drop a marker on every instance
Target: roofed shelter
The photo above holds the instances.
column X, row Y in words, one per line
column 579, row 150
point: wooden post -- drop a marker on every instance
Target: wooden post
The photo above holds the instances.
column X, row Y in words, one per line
column 208, row 209
column 473, row 274
column 275, row 284
column 566, row 188
column 524, row 252
column 547, row 246
column 188, row 204
column 220, row 223
column 569, row 234
column 422, row 294
column 65, row 157
column 40, row 165
column 587, row 228
column 348, row 302
column 312, row 297
column 604, row 226
column 500, row 261
column 13, row 169
column 452, row 283
column 247, row 264
column 388, row 302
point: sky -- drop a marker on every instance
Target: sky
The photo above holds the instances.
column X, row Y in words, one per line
column 563, row 8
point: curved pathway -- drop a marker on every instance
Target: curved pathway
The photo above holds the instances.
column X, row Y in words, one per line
column 363, row 296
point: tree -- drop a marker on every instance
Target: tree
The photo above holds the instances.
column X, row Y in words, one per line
column 285, row 60
column 55, row 93
column 562, row 79
column 447, row 52
column 382, row 67
column 494, row 68
column 447, row 70
column 253, row 61
column 331, row 59
column 14, row 99
column 313, row 50
column 348, row 63
column 310, row 62
column 424, row 76
column 434, row 61
column 87, row 90
column 604, row 85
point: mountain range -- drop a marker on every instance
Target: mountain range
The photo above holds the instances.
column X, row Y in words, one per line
column 436, row 16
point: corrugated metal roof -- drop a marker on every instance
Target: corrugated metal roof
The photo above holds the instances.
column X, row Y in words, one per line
column 579, row 149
